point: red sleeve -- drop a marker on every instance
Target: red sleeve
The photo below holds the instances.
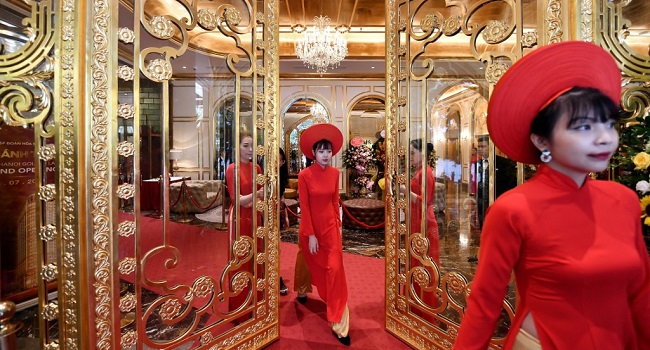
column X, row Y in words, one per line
column 306, row 225
column 500, row 250
column 639, row 296
column 230, row 181
column 335, row 198
column 431, row 186
column 416, row 185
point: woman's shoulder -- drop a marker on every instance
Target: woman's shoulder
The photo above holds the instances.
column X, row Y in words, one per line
column 616, row 190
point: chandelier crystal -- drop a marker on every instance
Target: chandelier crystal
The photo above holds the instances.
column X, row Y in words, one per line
column 321, row 47
column 318, row 111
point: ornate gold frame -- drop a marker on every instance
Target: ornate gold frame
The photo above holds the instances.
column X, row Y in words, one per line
column 77, row 55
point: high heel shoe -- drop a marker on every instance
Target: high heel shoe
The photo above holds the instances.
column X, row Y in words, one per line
column 302, row 298
column 344, row 340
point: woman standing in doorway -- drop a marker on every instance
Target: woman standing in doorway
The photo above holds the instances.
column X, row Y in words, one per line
column 245, row 218
column 417, row 198
column 320, row 224
column 575, row 244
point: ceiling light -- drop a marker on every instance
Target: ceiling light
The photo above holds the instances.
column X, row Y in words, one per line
column 322, row 46
column 318, row 111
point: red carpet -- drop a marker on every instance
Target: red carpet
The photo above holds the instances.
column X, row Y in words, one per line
column 204, row 253
column 305, row 326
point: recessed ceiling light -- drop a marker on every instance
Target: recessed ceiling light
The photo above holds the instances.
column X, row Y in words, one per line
column 373, row 67
column 184, row 67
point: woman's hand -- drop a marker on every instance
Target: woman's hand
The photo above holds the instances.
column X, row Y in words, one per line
column 313, row 244
column 402, row 189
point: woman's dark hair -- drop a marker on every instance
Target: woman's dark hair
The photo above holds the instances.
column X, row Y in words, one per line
column 284, row 173
column 578, row 103
column 417, row 144
column 322, row 144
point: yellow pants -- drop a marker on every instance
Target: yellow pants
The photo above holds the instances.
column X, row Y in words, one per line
column 301, row 275
column 525, row 341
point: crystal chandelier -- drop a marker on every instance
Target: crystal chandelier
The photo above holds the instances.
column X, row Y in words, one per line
column 322, row 46
column 318, row 111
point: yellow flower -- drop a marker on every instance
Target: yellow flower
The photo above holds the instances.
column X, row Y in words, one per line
column 645, row 201
column 382, row 181
column 641, row 160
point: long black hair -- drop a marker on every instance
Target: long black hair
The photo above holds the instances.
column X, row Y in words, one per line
column 578, row 103
column 284, row 172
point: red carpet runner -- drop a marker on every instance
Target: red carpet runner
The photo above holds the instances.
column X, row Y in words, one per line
column 301, row 326
column 305, row 326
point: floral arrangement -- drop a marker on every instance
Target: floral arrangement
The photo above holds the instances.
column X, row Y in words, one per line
column 631, row 166
column 359, row 156
column 364, row 182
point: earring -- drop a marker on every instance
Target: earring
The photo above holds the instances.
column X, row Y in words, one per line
column 546, row 156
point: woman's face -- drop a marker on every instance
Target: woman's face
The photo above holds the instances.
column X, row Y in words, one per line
column 246, row 149
column 281, row 160
column 583, row 147
column 416, row 156
column 322, row 156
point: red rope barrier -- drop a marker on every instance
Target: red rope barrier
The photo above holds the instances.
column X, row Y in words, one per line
column 187, row 192
column 291, row 212
column 369, row 227
column 179, row 195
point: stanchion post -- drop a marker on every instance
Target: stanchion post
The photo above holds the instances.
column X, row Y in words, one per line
column 184, row 190
column 8, row 330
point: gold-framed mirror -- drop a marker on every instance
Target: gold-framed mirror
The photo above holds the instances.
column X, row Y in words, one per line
column 95, row 96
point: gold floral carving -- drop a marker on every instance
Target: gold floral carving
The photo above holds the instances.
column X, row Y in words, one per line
column 529, row 39
column 128, row 302
column 240, row 281
column 159, row 70
column 420, row 276
column 429, row 22
column 126, row 191
column 451, row 25
column 129, row 339
column 232, row 16
column 47, row 232
column 46, row 152
column 202, row 287
column 125, row 73
column 496, row 31
column 47, row 192
column 126, row 228
column 49, row 272
column 554, row 21
column 52, row 346
column 207, row 19
column 51, row 311
column 586, row 30
column 170, row 309
column 125, row 149
column 162, row 27
column 125, row 35
column 127, row 266
column 494, row 71
column 125, row 111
